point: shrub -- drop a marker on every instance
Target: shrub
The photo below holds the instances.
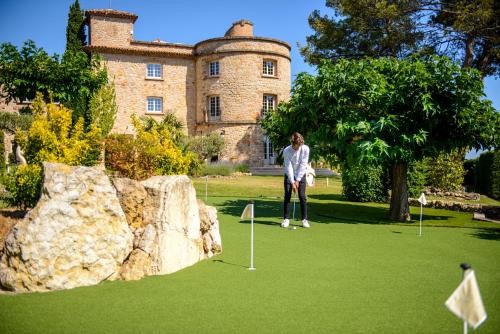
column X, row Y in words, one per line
column 242, row 168
column 150, row 152
column 363, row 182
column 103, row 109
column 52, row 137
column 24, row 185
column 119, row 154
column 207, row 147
column 495, row 176
column 446, row 171
column 469, row 167
column 416, row 178
column 487, row 174
column 11, row 121
column 2, row 151
column 222, row 169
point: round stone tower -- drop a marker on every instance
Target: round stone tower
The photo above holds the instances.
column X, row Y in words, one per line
column 239, row 77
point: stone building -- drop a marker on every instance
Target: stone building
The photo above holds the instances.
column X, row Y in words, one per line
column 221, row 85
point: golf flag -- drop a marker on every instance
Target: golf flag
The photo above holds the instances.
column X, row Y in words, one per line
column 422, row 199
column 466, row 303
column 310, row 174
column 247, row 212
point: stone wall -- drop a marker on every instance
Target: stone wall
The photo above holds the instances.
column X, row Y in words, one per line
column 176, row 88
column 110, row 31
column 241, row 87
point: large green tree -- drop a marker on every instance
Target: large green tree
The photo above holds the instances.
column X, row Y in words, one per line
column 71, row 80
column 75, row 30
column 26, row 71
column 465, row 30
column 360, row 28
column 388, row 111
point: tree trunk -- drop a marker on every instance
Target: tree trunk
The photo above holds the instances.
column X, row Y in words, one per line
column 400, row 209
column 469, row 51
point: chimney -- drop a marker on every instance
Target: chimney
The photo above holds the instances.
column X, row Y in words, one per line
column 240, row 28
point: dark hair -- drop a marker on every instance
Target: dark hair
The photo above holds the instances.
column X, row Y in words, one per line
column 297, row 138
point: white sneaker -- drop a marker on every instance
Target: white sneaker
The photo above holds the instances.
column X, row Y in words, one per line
column 305, row 223
column 285, row 223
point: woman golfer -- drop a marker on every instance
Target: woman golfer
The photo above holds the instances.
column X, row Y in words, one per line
column 296, row 157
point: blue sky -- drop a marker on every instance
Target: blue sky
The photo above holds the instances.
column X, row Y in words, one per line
column 186, row 22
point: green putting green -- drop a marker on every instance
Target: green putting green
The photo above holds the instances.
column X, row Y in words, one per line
column 351, row 272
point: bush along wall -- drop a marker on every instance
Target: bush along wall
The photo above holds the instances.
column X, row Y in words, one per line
column 364, row 183
column 469, row 166
column 482, row 173
column 495, row 176
column 2, row 152
column 417, row 177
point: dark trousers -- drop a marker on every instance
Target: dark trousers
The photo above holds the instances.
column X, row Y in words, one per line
column 288, row 196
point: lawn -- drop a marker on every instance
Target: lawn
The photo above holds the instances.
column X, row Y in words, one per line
column 353, row 271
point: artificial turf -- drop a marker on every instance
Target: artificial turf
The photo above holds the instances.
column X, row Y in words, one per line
column 351, row 272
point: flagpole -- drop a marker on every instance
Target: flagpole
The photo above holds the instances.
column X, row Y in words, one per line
column 206, row 188
column 465, row 267
column 420, row 219
column 251, row 238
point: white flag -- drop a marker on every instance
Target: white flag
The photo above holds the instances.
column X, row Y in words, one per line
column 247, row 212
column 310, row 174
column 422, row 199
column 465, row 302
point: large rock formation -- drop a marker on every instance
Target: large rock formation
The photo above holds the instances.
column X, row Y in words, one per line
column 76, row 235
column 175, row 230
column 171, row 208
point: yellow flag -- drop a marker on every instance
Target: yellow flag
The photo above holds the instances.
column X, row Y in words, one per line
column 247, row 212
column 466, row 303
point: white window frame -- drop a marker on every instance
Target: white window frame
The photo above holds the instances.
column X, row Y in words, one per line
column 269, row 67
column 214, row 110
column 268, row 103
column 154, row 105
column 154, row 71
column 214, row 68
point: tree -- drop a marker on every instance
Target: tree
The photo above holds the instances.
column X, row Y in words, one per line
column 27, row 71
column 71, row 80
column 103, row 109
column 446, row 171
column 207, row 147
column 75, row 30
column 170, row 123
column 388, row 111
column 359, row 28
column 465, row 30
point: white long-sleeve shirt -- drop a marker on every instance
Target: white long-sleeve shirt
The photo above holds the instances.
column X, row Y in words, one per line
column 296, row 162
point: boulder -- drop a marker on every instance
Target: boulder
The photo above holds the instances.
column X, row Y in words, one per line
column 77, row 234
column 137, row 266
column 132, row 195
column 209, row 227
column 172, row 210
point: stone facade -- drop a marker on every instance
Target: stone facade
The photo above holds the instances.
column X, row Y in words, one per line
column 185, row 86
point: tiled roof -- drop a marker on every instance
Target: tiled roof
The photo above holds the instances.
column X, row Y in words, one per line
column 110, row 13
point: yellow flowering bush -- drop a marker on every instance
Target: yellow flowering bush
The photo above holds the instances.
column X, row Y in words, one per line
column 151, row 152
column 52, row 137
column 24, row 185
